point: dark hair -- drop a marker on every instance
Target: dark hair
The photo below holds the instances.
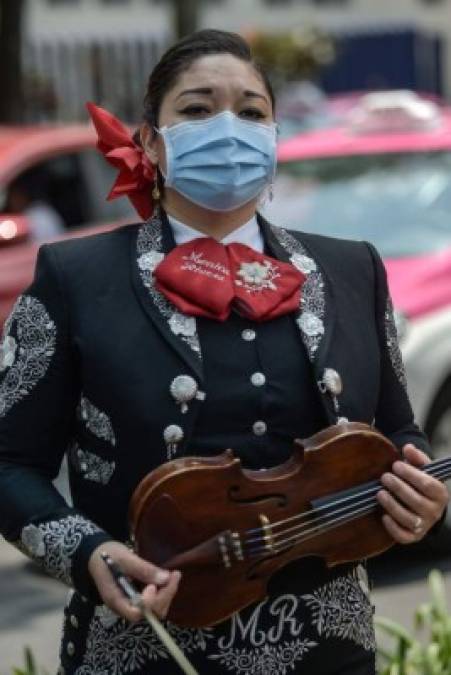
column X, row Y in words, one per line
column 180, row 57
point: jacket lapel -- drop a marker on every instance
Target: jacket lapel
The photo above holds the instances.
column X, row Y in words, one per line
column 315, row 318
column 153, row 241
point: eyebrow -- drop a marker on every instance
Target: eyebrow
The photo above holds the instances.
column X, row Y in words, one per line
column 208, row 91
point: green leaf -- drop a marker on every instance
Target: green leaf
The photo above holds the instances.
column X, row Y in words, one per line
column 438, row 592
column 394, row 630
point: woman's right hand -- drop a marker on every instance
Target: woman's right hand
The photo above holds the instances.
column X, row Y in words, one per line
column 158, row 592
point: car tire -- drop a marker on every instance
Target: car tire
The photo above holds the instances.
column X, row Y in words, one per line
column 438, row 430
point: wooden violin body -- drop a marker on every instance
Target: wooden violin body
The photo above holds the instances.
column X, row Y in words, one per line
column 229, row 529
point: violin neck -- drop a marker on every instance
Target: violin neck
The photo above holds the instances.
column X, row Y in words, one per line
column 440, row 469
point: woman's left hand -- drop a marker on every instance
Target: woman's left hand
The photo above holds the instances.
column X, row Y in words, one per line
column 412, row 500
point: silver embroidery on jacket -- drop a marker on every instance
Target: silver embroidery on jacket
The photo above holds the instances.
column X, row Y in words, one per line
column 115, row 646
column 313, row 302
column 96, row 421
column 54, row 542
column 342, row 609
column 149, row 250
column 244, row 648
column 24, row 359
column 391, row 336
column 91, row 466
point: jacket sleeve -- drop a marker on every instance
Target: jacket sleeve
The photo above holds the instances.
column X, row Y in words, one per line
column 394, row 416
column 39, row 391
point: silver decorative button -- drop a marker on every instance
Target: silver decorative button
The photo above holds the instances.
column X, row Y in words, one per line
column 331, row 382
column 248, row 334
column 258, row 379
column 74, row 620
column 184, row 388
column 70, row 648
column 259, row 427
column 173, row 435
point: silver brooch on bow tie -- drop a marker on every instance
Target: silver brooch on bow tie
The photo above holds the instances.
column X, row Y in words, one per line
column 256, row 276
column 184, row 389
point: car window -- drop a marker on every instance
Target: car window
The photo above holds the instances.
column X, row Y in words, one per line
column 399, row 202
column 71, row 188
column 100, row 176
column 56, row 184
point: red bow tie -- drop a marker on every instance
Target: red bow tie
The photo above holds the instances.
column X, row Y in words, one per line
column 206, row 278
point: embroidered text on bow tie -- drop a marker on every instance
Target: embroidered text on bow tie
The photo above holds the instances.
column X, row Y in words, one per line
column 206, row 278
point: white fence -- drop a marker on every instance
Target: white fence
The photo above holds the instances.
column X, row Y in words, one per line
column 62, row 74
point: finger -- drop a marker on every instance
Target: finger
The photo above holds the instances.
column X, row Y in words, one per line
column 422, row 482
column 415, row 456
column 137, row 568
column 402, row 516
column 120, row 605
column 410, row 497
column 160, row 602
column 399, row 534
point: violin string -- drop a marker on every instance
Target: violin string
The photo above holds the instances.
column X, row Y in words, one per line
column 375, row 485
column 346, row 511
column 316, row 519
column 309, row 534
column 440, row 469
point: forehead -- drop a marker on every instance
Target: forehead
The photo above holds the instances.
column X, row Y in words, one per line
column 220, row 71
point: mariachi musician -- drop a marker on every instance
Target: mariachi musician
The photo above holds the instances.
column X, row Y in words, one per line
column 200, row 329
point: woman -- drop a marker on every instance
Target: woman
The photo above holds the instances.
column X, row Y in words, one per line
column 129, row 356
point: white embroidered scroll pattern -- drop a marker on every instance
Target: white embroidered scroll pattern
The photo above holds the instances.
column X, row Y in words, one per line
column 26, row 355
column 97, row 421
column 313, row 301
column 149, row 252
column 342, row 609
column 391, row 336
column 54, row 542
column 91, row 466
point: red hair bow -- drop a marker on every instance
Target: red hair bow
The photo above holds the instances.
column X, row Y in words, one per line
column 136, row 172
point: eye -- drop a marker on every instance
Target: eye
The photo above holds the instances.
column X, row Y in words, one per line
column 195, row 111
column 253, row 114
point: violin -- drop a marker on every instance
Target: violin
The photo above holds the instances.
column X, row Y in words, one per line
column 229, row 529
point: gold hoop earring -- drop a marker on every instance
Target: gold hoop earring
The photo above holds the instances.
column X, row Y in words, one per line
column 156, row 193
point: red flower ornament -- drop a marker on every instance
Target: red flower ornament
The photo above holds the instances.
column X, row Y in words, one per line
column 136, row 172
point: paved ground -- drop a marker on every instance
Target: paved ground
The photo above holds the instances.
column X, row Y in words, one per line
column 30, row 605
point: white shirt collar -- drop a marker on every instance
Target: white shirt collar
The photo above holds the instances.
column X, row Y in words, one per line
column 248, row 234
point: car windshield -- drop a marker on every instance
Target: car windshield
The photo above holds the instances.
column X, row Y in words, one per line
column 399, row 202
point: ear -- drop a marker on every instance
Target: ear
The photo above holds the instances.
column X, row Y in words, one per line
column 149, row 143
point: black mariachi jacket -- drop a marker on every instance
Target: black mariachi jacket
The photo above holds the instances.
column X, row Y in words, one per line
column 91, row 348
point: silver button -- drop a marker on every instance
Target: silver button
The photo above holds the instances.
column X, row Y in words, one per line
column 259, row 428
column 74, row 621
column 248, row 334
column 332, row 382
column 70, row 648
column 173, row 434
column 258, row 379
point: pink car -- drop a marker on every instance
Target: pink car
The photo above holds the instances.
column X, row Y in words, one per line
column 384, row 176
column 57, row 180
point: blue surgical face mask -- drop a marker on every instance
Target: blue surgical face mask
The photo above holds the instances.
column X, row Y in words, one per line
column 222, row 162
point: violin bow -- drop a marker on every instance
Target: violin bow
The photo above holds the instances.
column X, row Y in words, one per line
column 136, row 600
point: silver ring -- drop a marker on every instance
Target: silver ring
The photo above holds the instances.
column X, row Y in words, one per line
column 418, row 525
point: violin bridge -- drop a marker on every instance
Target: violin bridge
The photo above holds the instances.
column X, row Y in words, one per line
column 268, row 536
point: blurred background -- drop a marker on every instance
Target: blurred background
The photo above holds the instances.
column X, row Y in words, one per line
column 363, row 89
